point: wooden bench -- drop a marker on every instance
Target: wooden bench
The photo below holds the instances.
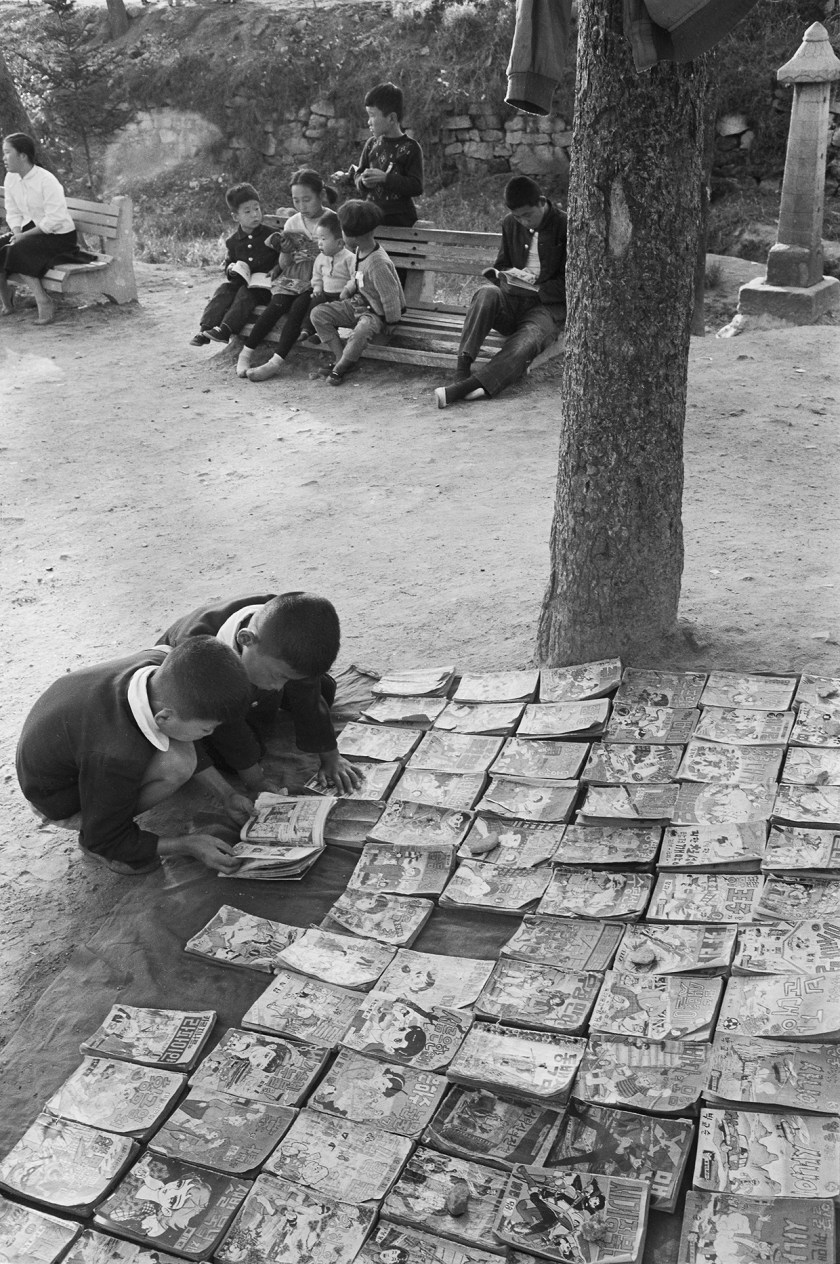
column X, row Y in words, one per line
column 112, row 272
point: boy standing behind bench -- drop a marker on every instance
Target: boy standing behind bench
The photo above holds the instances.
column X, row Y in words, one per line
column 390, row 169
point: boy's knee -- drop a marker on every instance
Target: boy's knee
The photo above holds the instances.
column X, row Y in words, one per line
column 175, row 766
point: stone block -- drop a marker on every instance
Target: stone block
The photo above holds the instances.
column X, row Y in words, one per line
column 489, row 120
column 269, row 146
column 563, row 139
column 303, row 115
column 789, row 303
column 545, row 124
column 456, row 121
column 326, row 108
column 492, row 133
column 296, row 146
column 463, row 133
column 477, row 149
column 501, row 151
column 473, row 134
column 455, row 148
column 516, row 124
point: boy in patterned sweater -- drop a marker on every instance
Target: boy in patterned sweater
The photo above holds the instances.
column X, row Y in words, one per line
column 390, row 169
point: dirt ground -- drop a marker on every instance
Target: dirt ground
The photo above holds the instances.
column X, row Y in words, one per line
column 141, row 477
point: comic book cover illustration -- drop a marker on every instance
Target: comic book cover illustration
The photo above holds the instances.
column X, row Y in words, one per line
column 509, row 842
column 387, row 1095
column 539, row 996
column 790, row 1006
column 705, row 897
column 395, row 1244
column 537, row 1065
column 294, row 820
column 619, row 895
column 340, row 1158
column 817, row 725
column 229, row 1134
column 477, row 1124
column 624, row 1143
column 337, row 959
column 745, row 1230
column 100, row 1248
column 496, row 887
column 412, row 823
column 28, row 1236
column 377, row 781
column 350, row 822
column 774, row 1073
column 391, row 919
column 657, row 1006
column 662, row 1077
column 608, row 846
column 797, row 898
column 739, row 726
column 530, row 760
column 610, row 763
column 499, row 686
column 637, row 722
column 582, row 1216
column 704, row 803
column 464, row 753
column 451, row 1197
column 401, row 1031
column 283, row 1223
column 735, row 848
column 766, row 1155
column 580, row 945
column 811, row 947
column 629, row 803
column 434, row 981
column 260, row 1068
column 427, row 682
column 744, row 689
column 812, row 766
column 580, row 682
column 817, row 691
column 377, row 741
column 64, row 1164
column 529, row 800
column 170, row 1038
column 676, row 949
column 489, row 719
column 808, row 805
column 235, row 938
column 723, row 763
column 117, row 1096
column 565, row 719
column 302, row 1009
column 453, row 790
column 660, row 688
column 418, row 869
column 413, row 711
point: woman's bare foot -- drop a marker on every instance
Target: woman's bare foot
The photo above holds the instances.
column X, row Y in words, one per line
column 46, row 314
column 7, row 311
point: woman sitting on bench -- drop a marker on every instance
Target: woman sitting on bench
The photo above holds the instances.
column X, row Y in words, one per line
column 42, row 231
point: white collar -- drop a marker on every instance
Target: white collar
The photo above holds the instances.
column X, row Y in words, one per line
column 227, row 632
column 138, row 700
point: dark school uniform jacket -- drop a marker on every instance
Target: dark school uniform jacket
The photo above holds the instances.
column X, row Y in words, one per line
column 551, row 246
column 251, row 248
column 402, row 159
column 236, row 743
column 82, row 751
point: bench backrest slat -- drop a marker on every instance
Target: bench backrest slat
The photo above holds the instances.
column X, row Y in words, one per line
column 98, row 218
column 439, row 236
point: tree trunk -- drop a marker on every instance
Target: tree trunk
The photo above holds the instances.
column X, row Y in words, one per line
column 117, row 18
column 634, row 208
column 13, row 117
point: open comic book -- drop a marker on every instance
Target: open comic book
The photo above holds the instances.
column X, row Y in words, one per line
column 217, row 1131
column 441, row 789
column 582, row 681
column 425, row 682
column 418, row 869
column 565, row 719
column 377, row 741
column 657, row 1006
column 402, row 1031
column 433, row 981
column 812, row 766
column 531, row 760
column 660, row 688
column 339, row 1158
column 28, row 1236
column 235, row 938
column 739, row 1229
column 610, row 804
column 538, row 1066
column 395, row 1244
column 170, row 1038
column 608, row 846
column 464, row 753
column 100, row 1248
column 739, row 726
column 509, row 842
column 811, row 947
column 742, row 689
column 494, row 887
column 726, row 764
column 303, row 1009
column 260, row 1068
column 817, row 726
column 403, row 822
column 282, row 1223
column 808, row 805
column 734, row 848
column 790, row 1006
column 704, row 897
column 579, row 944
column 529, row 800
column 791, row 898
column 387, row 1095
column 65, row 1165
column 117, row 1096
column 337, row 959
column 450, row 1197
column 392, row 919
column 768, row 1155
column 542, row 997
column 636, row 722
column 675, row 949
column 488, row 718
column 624, row 1143
column 610, row 763
column 502, row 686
column 580, row 1216
column 477, row 1124
column 597, row 893
column 283, row 838
column 662, row 1077
column 704, row 803
column 774, row 1073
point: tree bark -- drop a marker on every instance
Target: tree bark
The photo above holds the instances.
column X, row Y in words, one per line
column 634, row 209
column 13, row 117
column 117, row 18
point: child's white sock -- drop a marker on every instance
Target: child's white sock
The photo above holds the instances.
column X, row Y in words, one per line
column 270, row 369
column 243, row 364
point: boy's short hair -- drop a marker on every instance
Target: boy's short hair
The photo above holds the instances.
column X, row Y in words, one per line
column 522, row 191
column 330, row 221
column 358, row 217
column 239, row 193
column 203, row 679
column 388, row 98
column 302, row 629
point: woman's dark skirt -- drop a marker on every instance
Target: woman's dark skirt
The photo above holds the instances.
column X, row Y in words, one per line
column 36, row 255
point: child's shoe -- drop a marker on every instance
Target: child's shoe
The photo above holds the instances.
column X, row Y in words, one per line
column 336, row 378
column 219, row 334
column 200, row 340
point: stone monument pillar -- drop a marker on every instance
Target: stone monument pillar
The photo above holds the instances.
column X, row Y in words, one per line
column 794, row 288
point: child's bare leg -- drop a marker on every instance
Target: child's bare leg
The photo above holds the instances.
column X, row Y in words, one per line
column 365, row 328
column 167, row 771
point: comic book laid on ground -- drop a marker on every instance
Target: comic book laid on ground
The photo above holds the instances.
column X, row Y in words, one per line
column 538, row 1066
column 768, row 1155
column 425, row 682
column 730, row 765
column 610, row 804
column 808, row 805
column 737, row 1229
column 235, row 938
column 170, row 1038
column 812, row 766
column 497, row 888
column 657, row 1006
column 340, row 1158
column 433, row 981
column 704, row 803
column 501, row 686
column 539, row 996
column 377, row 781
column 740, row 726
column 529, row 800
column 817, row 691
column 636, row 722
column 712, row 848
column 28, row 1236
column 64, row 1164
column 811, row 947
column 582, row 1216
column 705, row 897
column 351, row 821
column 395, row 1244
column 675, row 949
column 413, row 711
column 386, row 1095
column 663, row 1077
column 579, row 944
column 620, row 896
column 743, row 689
column 584, row 680
column 612, row 763
column 530, row 760
column 789, row 1006
column 816, row 726
column 477, row 1124
column 451, row 790
column 660, row 688
column 337, row 959
column 624, row 1143
column 391, row 919
column 774, row 1073
column 463, row 753
column 451, row 1197
column 117, row 1096
column 488, row 719
column 565, row 719
column 416, row 869
column 608, row 846
column 261, row 1068
column 510, row 842
column 283, row 1223
column 227, row 1134
column 100, row 1248
column 791, row 898
column 401, row 1031
column 302, row 1008
column 377, row 741
column 410, row 823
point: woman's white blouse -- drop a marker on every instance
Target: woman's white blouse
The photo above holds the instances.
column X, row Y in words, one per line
column 37, row 197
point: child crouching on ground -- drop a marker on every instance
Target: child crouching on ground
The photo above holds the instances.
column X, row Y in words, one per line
column 369, row 304
column 331, row 271
column 247, row 264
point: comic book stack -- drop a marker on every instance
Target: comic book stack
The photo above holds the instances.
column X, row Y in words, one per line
column 665, row 849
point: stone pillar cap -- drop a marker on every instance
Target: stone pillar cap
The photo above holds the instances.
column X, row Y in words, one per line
column 814, row 61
